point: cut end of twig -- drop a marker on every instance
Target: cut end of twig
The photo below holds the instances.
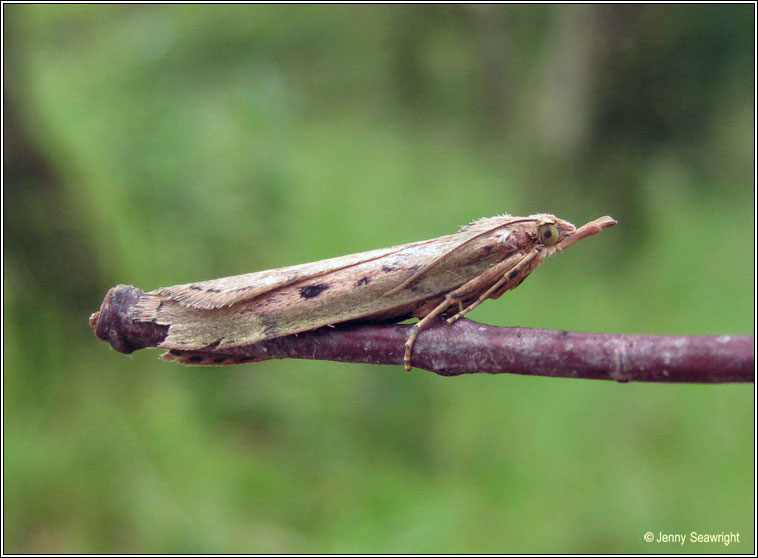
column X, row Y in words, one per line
column 114, row 322
column 93, row 319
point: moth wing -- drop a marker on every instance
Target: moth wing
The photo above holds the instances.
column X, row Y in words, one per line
column 302, row 300
column 465, row 234
column 227, row 291
column 212, row 316
column 200, row 358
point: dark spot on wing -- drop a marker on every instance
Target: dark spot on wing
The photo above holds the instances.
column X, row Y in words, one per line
column 214, row 290
column 219, row 360
column 312, row 291
column 363, row 281
column 196, row 358
column 388, row 268
column 513, row 274
column 248, row 359
column 195, row 288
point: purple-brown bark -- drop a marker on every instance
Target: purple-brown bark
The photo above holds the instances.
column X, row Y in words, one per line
column 467, row 347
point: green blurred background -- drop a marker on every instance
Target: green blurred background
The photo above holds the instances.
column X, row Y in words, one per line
column 160, row 144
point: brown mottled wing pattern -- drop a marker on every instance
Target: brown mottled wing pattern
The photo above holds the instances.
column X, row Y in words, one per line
column 245, row 309
column 226, row 291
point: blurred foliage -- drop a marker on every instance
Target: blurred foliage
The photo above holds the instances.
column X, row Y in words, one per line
column 159, row 144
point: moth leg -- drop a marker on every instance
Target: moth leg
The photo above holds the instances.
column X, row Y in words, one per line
column 418, row 326
column 491, row 280
column 463, row 311
column 511, row 275
column 451, row 299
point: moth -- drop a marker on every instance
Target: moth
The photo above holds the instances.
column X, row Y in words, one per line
column 447, row 276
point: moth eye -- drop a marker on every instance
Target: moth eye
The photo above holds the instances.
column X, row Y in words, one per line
column 549, row 234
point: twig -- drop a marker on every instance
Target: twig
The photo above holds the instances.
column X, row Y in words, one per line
column 467, row 347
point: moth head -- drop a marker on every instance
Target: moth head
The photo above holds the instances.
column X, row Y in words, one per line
column 549, row 231
column 554, row 234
